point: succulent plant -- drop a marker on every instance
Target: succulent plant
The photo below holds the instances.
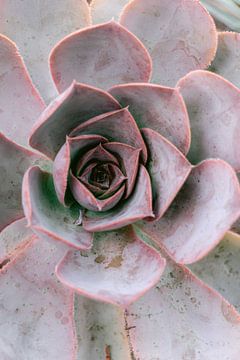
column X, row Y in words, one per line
column 123, row 175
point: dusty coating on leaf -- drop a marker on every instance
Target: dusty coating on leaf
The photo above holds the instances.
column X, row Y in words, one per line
column 118, row 269
column 36, row 306
column 12, row 238
column 37, row 27
column 213, row 104
column 94, row 333
column 16, row 88
column 184, row 36
column 14, row 161
column 204, row 323
column 205, row 208
column 226, row 61
column 220, row 268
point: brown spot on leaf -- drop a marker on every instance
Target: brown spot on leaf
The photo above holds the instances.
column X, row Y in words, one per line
column 116, row 262
column 99, row 259
column 108, row 352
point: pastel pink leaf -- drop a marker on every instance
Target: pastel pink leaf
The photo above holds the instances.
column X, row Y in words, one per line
column 14, row 161
column 203, row 211
column 36, row 310
column 226, row 61
column 86, row 199
column 20, row 103
column 168, row 169
column 96, row 317
column 118, row 270
column 136, row 207
column 219, row 269
column 214, row 106
column 38, row 26
column 46, row 216
column 117, row 126
column 71, row 108
column 115, row 56
column 129, row 157
column 179, row 35
column 13, row 237
column 64, row 157
column 181, row 318
column 159, row 108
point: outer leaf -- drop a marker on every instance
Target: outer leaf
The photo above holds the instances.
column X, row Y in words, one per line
column 20, row 103
column 205, row 325
column 226, row 62
column 214, row 105
column 118, row 270
column 46, row 216
column 14, row 161
column 159, row 108
column 203, row 211
column 115, row 56
column 70, row 109
column 36, row 311
column 220, row 269
column 136, row 207
column 37, row 28
column 13, row 237
column 179, row 34
column 105, row 10
column 168, row 169
column 101, row 330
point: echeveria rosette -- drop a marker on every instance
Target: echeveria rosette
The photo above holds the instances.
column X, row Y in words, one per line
column 118, row 146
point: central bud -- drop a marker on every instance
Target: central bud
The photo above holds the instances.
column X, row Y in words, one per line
column 101, row 175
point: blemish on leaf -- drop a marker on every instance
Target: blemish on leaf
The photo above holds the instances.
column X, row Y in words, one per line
column 64, row 321
column 108, row 352
column 58, row 314
column 99, row 259
column 4, row 262
column 116, row 262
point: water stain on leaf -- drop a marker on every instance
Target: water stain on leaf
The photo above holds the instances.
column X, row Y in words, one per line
column 115, row 262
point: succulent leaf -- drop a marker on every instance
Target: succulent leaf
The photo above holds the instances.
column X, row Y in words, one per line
column 115, row 56
column 118, row 269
